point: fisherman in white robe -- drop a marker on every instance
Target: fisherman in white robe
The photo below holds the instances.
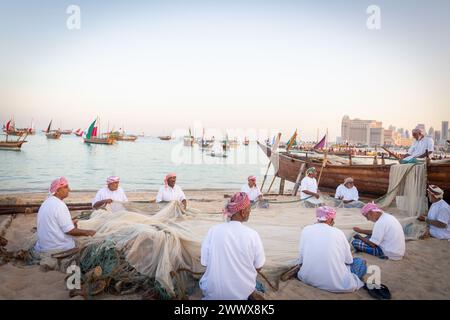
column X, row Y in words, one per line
column 232, row 254
column 309, row 189
column 251, row 189
column 438, row 217
column 112, row 192
column 170, row 191
column 419, row 148
column 348, row 195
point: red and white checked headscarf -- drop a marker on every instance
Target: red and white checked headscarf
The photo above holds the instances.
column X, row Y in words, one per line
column 168, row 176
column 253, row 178
column 56, row 184
column 112, row 179
column 370, row 207
column 238, row 202
column 324, row 213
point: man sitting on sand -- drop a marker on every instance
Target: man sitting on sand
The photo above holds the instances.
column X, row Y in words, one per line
column 419, row 147
column 170, row 191
column 325, row 256
column 387, row 240
column 438, row 218
column 348, row 194
column 309, row 189
column 55, row 227
column 232, row 254
column 112, row 192
column 253, row 192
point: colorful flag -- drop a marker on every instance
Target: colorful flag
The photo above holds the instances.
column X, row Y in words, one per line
column 8, row 125
column 292, row 141
column 321, row 143
column 90, row 131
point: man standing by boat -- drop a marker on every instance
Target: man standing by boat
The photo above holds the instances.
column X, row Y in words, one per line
column 112, row 192
column 170, row 191
column 253, row 192
column 348, row 194
column 309, row 189
column 55, row 227
column 438, row 217
column 232, row 254
column 419, row 148
column 325, row 256
column 386, row 240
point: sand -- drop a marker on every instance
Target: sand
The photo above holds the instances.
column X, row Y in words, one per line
column 424, row 273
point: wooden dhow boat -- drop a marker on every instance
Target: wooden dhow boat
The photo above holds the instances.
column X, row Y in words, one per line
column 371, row 179
column 92, row 136
column 52, row 134
column 165, row 138
column 13, row 145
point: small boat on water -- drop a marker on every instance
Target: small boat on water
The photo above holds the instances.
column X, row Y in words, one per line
column 371, row 179
column 13, row 145
column 52, row 134
column 165, row 138
column 127, row 137
column 66, row 131
column 122, row 136
column 79, row 133
column 218, row 155
column 92, row 136
column 189, row 140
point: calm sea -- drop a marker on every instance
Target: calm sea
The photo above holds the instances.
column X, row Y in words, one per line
column 141, row 165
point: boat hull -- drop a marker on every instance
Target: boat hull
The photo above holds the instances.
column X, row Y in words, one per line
column 16, row 146
column 371, row 180
column 99, row 141
column 53, row 135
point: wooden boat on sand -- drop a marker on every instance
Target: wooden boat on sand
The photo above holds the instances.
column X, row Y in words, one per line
column 371, row 180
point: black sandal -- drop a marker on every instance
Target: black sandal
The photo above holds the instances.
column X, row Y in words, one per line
column 382, row 293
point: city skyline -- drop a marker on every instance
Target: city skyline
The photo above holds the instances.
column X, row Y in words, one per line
column 156, row 67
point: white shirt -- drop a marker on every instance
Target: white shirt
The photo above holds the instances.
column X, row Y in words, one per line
column 105, row 193
column 309, row 184
column 419, row 147
column 346, row 193
column 440, row 211
column 170, row 194
column 53, row 221
column 253, row 193
column 231, row 253
column 389, row 236
column 325, row 256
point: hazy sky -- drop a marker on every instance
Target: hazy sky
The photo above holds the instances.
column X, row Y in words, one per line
column 157, row 66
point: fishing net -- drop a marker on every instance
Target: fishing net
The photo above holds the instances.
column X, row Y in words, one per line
column 163, row 243
column 407, row 189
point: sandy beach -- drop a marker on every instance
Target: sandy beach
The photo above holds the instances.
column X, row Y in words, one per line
column 422, row 274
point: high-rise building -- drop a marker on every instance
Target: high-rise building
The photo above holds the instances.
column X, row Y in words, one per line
column 444, row 131
column 401, row 131
column 357, row 131
column 407, row 135
column 431, row 132
column 437, row 137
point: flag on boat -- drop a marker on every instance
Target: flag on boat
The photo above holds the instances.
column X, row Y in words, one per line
column 8, row 125
column 292, row 141
column 92, row 131
column 321, row 143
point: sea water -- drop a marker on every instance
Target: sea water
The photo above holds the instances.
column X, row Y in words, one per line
column 141, row 165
